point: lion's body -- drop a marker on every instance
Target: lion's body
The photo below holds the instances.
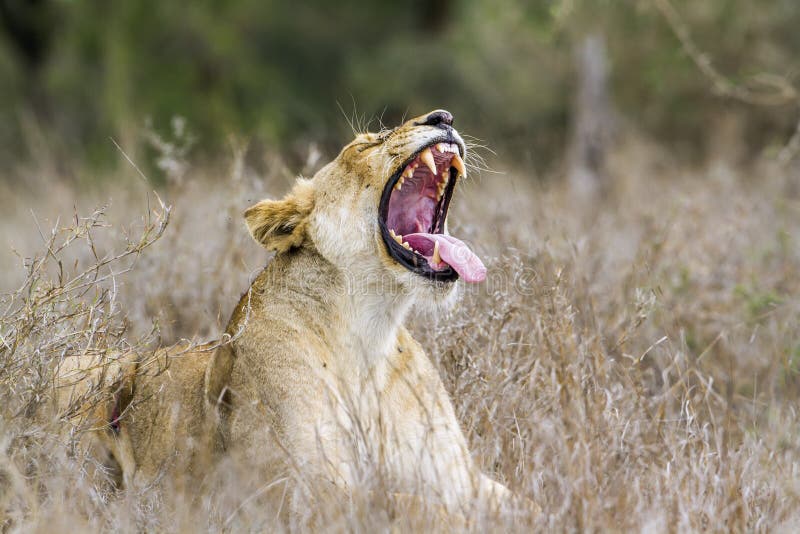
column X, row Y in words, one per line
column 323, row 392
column 319, row 380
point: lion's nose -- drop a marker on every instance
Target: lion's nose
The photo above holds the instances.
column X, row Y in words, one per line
column 439, row 116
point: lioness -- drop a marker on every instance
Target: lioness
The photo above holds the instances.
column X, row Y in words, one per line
column 320, row 376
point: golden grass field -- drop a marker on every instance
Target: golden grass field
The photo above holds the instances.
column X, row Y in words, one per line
column 631, row 363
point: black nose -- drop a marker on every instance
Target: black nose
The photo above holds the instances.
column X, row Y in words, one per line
column 438, row 117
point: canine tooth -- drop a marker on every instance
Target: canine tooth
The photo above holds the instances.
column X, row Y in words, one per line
column 427, row 159
column 436, row 257
column 458, row 163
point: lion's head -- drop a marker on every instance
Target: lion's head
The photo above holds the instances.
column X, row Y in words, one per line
column 380, row 208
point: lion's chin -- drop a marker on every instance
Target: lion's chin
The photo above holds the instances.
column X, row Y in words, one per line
column 425, row 294
column 436, row 298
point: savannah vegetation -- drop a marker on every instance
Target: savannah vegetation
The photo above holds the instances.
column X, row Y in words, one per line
column 632, row 361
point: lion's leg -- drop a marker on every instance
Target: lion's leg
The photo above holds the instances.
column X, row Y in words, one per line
column 501, row 497
column 118, row 443
column 92, row 394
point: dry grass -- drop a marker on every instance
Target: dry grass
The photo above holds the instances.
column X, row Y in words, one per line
column 633, row 362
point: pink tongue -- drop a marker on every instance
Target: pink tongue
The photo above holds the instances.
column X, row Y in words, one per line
column 453, row 252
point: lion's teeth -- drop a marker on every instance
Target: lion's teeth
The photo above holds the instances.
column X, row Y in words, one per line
column 436, row 257
column 427, row 159
column 399, row 183
column 408, row 172
column 396, row 237
column 458, row 163
column 406, row 246
column 441, row 147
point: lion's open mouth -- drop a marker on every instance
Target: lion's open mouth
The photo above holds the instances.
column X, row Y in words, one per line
column 413, row 211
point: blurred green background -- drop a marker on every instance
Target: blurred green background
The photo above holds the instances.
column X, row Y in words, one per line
column 75, row 73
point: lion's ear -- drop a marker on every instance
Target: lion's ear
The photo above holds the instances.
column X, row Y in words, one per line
column 280, row 225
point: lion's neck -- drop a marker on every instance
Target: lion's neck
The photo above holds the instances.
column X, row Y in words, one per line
column 361, row 318
column 373, row 321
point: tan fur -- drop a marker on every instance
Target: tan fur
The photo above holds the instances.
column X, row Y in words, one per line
column 281, row 225
column 321, row 382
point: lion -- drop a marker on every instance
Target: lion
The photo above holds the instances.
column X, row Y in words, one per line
column 316, row 372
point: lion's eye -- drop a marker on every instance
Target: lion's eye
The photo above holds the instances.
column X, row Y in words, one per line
column 384, row 134
column 367, row 143
column 361, row 147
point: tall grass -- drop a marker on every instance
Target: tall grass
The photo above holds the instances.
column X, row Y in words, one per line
column 632, row 363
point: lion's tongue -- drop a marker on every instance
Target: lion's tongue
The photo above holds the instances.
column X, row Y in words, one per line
column 453, row 252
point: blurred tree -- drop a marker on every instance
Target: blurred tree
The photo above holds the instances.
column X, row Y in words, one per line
column 279, row 71
column 592, row 120
column 30, row 27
